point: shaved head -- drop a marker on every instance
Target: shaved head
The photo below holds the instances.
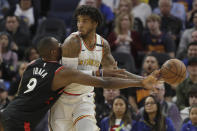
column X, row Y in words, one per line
column 46, row 45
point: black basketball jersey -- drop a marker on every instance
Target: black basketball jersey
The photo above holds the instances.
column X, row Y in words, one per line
column 35, row 96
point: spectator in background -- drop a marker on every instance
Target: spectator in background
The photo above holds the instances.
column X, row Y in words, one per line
column 120, row 117
column 9, row 58
column 113, row 4
column 176, row 9
column 27, row 12
column 186, row 37
column 192, row 124
column 4, row 101
column 184, row 53
column 190, row 82
column 191, row 51
column 190, row 13
column 156, row 40
column 103, row 109
column 192, row 101
column 170, row 23
column 19, row 32
column 194, row 36
column 14, row 84
column 121, row 39
column 169, row 109
column 141, row 10
column 31, row 54
column 153, row 119
column 149, row 64
column 4, row 7
column 124, row 39
column 124, row 6
column 187, row 4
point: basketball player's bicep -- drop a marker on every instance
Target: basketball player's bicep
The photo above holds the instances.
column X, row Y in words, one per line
column 71, row 47
column 107, row 60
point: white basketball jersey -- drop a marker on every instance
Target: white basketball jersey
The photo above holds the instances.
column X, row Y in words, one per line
column 89, row 59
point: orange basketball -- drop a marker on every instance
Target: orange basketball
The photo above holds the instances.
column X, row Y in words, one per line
column 173, row 72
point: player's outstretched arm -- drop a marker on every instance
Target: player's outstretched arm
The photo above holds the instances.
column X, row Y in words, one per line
column 67, row 76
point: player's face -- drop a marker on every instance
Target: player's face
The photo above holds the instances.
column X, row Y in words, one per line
column 57, row 47
column 193, row 115
column 119, row 107
column 85, row 25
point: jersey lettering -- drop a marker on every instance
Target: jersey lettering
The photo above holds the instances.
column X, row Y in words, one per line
column 39, row 71
column 31, row 85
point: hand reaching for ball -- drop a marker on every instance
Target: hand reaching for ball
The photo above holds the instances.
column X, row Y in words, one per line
column 149, row 82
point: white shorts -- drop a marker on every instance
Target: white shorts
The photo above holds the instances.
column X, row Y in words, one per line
column 69, row 109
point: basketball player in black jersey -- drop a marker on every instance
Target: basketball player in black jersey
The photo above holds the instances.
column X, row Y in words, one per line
column 42, row 83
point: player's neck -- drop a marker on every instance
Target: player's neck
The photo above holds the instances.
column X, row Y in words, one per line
column 90, row 39
column 49, row 60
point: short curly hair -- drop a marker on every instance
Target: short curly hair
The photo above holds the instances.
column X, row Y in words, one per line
column 90, row 11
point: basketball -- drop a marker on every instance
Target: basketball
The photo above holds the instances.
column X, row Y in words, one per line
column 173, row 72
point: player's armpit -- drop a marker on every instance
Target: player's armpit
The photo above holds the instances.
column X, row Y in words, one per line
column 71, row 46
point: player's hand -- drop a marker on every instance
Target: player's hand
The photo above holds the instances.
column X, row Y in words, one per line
column 157, row 75
column 149, row 82
column 114, row 73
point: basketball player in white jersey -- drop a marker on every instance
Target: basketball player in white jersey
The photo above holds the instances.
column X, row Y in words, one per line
column 84, row 50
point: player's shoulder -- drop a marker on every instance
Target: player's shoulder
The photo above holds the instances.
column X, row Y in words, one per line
column 104, row 41
column 73, row 39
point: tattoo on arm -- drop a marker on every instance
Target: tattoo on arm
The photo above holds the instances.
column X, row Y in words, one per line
column 71, row 46
column 108, row 60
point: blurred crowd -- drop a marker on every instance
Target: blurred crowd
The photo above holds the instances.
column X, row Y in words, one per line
column 142, row 34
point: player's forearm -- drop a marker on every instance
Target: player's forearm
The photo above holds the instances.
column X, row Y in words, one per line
column 133, row 76
column 118, row 83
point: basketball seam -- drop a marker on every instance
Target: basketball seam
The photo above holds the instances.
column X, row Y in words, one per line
column 172, row 71
column 177, row 76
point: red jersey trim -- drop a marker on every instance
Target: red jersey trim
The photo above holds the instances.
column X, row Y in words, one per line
column 91, row 49
column 60, row 68
column 71, row 93
column 27, row 126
